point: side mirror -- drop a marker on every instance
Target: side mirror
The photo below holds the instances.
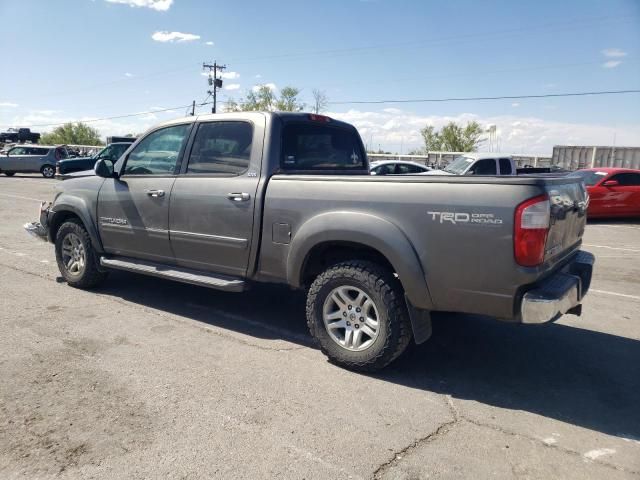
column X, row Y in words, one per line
column 104, row 169
column 611, row 183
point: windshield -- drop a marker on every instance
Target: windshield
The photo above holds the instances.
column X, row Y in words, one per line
column 459, row 165
column 589, row 177
column 104, row 153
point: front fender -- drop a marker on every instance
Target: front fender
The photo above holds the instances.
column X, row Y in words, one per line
column 368, row 230
column 65, row 203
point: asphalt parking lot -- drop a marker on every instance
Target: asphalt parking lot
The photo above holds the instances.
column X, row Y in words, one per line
column 144, row 378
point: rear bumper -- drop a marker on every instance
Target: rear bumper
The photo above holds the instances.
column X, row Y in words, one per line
column 559, row 294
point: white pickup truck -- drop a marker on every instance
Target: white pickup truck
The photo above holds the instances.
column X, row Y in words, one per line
column 473, row 163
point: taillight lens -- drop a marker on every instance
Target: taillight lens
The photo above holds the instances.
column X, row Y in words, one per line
column 532, row 222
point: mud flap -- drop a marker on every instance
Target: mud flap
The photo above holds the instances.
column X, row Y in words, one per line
column 420, row 323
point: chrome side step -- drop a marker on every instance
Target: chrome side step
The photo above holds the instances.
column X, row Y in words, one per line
column 178, row 274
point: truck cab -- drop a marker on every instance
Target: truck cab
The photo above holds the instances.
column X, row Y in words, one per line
column 474, row 163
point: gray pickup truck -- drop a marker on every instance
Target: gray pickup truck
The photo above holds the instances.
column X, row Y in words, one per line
column 230, row 200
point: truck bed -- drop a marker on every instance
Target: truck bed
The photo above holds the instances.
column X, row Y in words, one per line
column 461, row 228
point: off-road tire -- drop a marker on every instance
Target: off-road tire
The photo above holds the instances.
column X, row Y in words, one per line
column 91, row 275
column 48, row 171
column 385, row 291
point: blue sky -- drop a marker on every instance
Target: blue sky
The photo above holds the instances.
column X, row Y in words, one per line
column 87, row 59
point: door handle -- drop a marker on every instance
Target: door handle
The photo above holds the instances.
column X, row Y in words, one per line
column 238, row 197
column 155, row 193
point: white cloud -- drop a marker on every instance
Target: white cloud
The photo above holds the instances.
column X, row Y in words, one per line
column 8, row 104
column 232, row 86
column 515, row 104
column 128, row 75
column 164, row 36
column 517, row 134
column 270, row 86
column 258, row 76
column 208, row 43
column 613, row 53
column 159, row 5
column 611, row 64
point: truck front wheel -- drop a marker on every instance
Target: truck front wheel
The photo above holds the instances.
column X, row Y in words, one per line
column 356, row 312
column 76, row 258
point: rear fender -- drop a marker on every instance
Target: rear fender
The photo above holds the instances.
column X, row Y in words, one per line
column 368, row 230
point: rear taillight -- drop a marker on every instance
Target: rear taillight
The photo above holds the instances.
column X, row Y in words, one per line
column 531, row 227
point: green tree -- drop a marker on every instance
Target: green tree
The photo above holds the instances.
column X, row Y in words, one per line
column 264, row 98
column 431, row 138
column 288, row 101
column 453, row 137
column 72, row 134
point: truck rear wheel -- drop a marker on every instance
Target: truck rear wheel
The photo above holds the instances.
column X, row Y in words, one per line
column 356, row 312
column 77, row 260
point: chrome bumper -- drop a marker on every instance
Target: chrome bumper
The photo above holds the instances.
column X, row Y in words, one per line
column 40, row 230
column 559, row 294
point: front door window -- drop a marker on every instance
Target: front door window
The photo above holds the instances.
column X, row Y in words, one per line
column 158, row 153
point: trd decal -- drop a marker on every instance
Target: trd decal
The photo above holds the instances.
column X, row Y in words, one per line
column 456, row 218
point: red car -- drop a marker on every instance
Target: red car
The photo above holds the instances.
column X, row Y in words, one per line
column 613, row 192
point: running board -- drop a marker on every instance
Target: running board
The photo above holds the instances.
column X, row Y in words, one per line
column 178, row 274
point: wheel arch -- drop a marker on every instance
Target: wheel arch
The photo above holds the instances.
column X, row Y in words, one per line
column 68, row 208
column 337, row 236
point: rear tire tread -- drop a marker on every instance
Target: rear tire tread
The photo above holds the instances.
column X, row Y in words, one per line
column 388, row 289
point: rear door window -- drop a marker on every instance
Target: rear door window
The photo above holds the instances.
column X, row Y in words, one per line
column 404, row 169
column 386, row 169
column 221, row 148
column 309, row 147
column 505, row 166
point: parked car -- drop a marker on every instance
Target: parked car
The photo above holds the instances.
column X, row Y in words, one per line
column 234, row 199
column 613, row 192
column 397, row 167
column 19, row 135
column 492, row 163
column 111, row 152
column 32, row 159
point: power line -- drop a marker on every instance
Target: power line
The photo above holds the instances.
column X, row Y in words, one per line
column 502, row 97
column 421, row 100
column 137, row 114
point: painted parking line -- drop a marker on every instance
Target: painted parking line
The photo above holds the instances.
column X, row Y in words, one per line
column 615, row 294
column 628, row 227
column 21, row 197
column 622, row 249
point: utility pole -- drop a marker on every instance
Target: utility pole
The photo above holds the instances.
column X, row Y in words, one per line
column 193, row 108
column 214, row 81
